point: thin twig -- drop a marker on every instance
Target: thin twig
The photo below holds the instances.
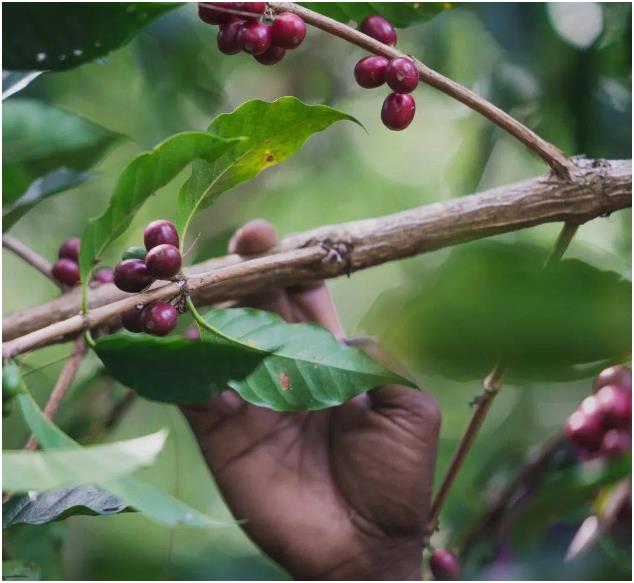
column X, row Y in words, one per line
column 552, row 155
column 62, row 385
column 29, row 256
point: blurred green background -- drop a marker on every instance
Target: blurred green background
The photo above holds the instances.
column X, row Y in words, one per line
column 563, row 69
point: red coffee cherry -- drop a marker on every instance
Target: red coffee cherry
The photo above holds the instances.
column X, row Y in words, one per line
column 215, row 12
column 252, row 9
column 131, row 275
column 444, row 566
column 616, row 442
column 131, row 320
column 160, row 232
column 228, row 36
column 163, row 261
column 401, row 75
column 271, row 56
column 255, row 37
column 585, row 431
column 398, row 111
column 616, row 405
column 615, row 375
column 66, row 271
column 69, row 249
column 288, row 30
column 370, row 71
column 379, row 28
column 159, row 319
column 104, row 275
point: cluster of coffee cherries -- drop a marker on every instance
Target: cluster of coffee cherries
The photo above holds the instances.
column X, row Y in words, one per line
column 140, row 267
column 244, row 27
column 400, row 74
column 602, row 424
column 66, row 269
column 444, row 565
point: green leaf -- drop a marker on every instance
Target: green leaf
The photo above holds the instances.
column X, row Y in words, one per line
column 60, row 504
column 11, row 380
column 39, row 471
column 20, row 571
column 400, row 14
column 142, row 177
column 286, row 367
column 52, row 183
column 493, row 302
column 273, row 132
column 62, row 35
column 157, row 505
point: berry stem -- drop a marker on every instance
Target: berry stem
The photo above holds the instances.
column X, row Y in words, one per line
column 31, row 257
column 553, row 156
column 492, row 386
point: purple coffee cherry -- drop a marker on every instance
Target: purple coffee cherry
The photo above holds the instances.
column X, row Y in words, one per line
column 370, row 71
column 271, row 56
column 69, row 249
column 131, row 275
column 228, row 36
column 163, row 261
column 160, row 232
column 159, row 318
column 252, row 10
column 398, row 111
column 255, row 37
column 585, row 431
column 288, row 30
column 103, row 275
column 215, row 12
column 616, row 405
column 192, row 333
column 131, row 320
column 379, row 28
column 616, row 442
column 401, row 75
column 615, row 375
column 66, row 271
column 444, row 566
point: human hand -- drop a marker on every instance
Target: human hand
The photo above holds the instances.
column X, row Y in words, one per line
column 341, row 493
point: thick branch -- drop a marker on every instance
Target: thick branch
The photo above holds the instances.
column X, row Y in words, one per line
column 552, row 155
column 29, row 256
column 597, row 190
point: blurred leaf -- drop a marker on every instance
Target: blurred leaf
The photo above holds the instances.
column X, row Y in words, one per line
column 273, row 133
column 400, row 14
column 14, row 81
column 492, row 301
column 157, row 505
column 141, row 178
column 20, row 571
column 75, row 33
column 60, row 504
column 306, row 368
column 39, row 471
column 52, row 183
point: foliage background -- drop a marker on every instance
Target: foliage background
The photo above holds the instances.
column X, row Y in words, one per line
column 570, row 82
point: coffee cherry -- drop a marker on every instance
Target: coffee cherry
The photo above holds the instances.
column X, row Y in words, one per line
column 252, row 9
column 379, row 28
column 444, row 566
column 163, row 261
column 103, row 275
column 615, row 375
column 401, row 75
column 228, row 36
column 131, row 275
column 69, row 249
column 159, row 318
column 271, row 56
column 584, row 431
column 255, row 37
column 615, row 443
column 288, row 30
column 159, row 232
column 616, row 405
column 207, row 13
column 134, row 253
column 370, row 71
column 398, row 111
column 192, row 333
column 131, row 320
column 66, row 271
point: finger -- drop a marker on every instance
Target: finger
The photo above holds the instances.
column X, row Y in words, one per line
column 313, row 303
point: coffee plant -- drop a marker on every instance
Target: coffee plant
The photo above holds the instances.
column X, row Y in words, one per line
column 170, row 325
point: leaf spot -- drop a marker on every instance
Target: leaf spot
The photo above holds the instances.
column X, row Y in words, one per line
column 285, row 382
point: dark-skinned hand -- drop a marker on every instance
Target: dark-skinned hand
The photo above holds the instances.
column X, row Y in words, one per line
column 342, row 493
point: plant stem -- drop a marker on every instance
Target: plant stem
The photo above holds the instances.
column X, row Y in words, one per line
column 31, row 257
column 553, row 156
column 492, row 385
